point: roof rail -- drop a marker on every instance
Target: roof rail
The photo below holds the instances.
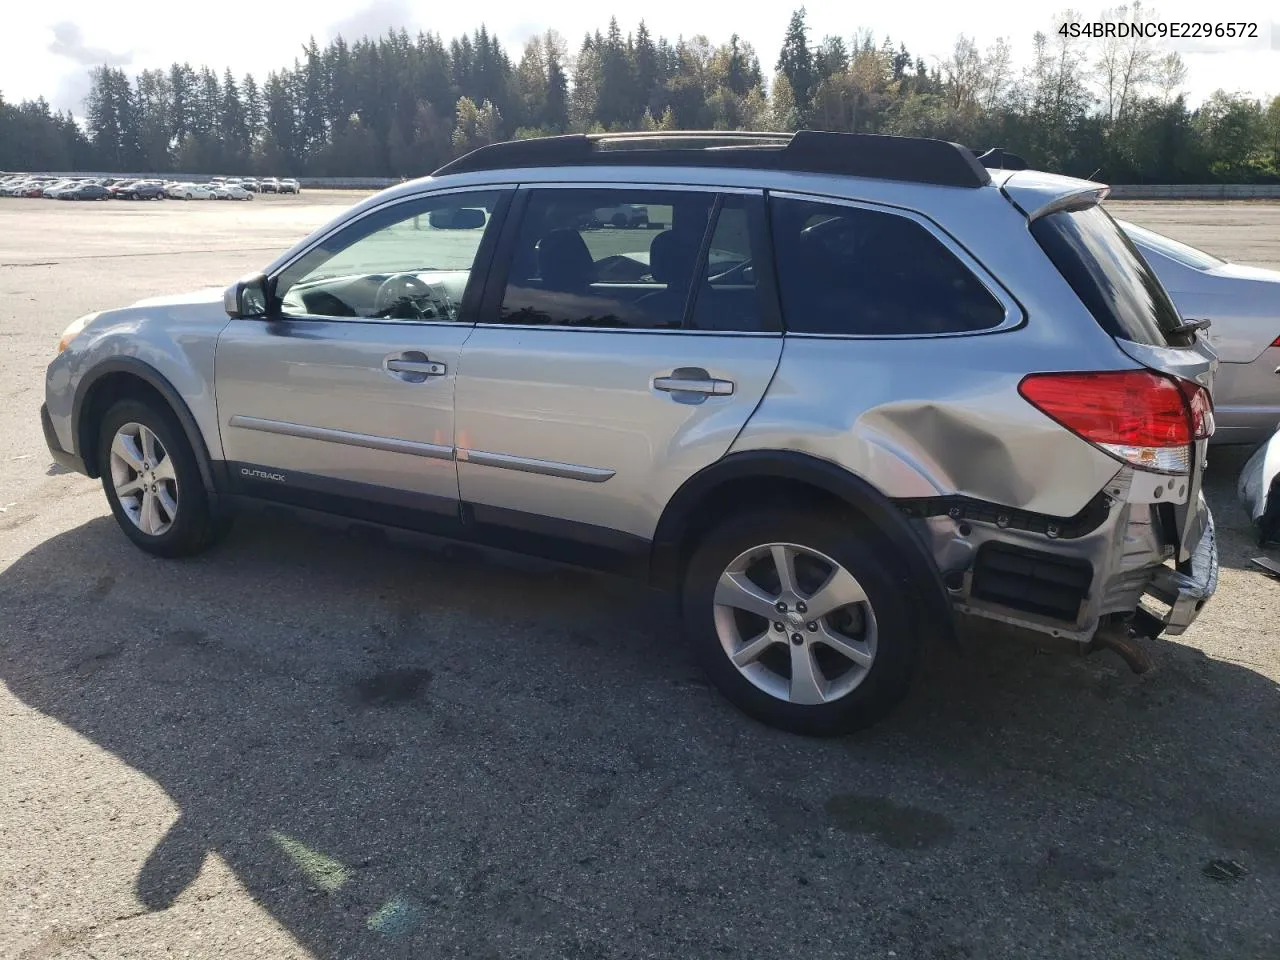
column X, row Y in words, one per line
column 998, row 158
column 910, row 159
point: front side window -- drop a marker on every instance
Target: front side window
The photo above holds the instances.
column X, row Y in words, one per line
column 411, row 261
column 857, row 272
column 604, row 258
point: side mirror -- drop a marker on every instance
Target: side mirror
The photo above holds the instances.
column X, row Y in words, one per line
column 246, row 298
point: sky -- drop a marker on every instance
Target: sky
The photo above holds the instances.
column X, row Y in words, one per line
column 49, row 54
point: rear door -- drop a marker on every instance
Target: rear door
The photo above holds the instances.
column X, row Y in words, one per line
column 609, row 362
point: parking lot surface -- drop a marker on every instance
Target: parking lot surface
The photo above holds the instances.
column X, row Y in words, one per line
column 302, row 744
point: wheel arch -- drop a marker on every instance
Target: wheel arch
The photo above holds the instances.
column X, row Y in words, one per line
column 761, row 477
column 121, row 377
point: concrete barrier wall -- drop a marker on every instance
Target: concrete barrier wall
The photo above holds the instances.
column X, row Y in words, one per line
column 1195, row 191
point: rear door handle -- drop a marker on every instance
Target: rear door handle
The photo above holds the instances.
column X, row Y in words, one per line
column 693, row 380
column 413, row 366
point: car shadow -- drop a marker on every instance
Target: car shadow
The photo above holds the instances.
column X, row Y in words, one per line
column 429, row 752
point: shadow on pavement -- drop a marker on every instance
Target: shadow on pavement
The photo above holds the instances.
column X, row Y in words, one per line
column 412, row 753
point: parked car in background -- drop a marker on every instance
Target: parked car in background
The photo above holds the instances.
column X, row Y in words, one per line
column 622, row 215
column 857, row 388
column 147, row 190
column 269, row 185
column 139, row 190
column 231, row 191
column 119, row 187
column 85, row 191
column 1242, row 305
column 23, row 187
column 191, row 191
column 52, row 190
column 289, row 185
column 1259, row 490
column 251, row 184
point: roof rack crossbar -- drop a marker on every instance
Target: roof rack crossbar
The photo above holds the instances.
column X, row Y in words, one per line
column 910, row 159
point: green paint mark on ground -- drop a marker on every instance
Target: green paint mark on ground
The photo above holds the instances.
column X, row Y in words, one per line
column 395, row 918
column 325, row 872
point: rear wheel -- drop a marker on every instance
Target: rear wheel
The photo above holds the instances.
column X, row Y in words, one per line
column 796, row 620
column 152, row 481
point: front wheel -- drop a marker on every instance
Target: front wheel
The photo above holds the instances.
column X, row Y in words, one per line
column 152, row 480
column 796, row 619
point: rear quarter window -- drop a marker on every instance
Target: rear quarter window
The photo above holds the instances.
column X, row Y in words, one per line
column 1110, row 276
column 853, row 271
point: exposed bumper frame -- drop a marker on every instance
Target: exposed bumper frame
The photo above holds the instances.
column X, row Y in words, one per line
column 1187, row 592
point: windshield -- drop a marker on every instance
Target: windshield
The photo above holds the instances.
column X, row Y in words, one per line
column 1110, row 276
column 1186, row 255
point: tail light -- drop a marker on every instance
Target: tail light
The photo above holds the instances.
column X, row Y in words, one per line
column 1143, row 418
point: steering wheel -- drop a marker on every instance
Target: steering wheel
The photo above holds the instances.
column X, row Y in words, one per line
column 404, row 296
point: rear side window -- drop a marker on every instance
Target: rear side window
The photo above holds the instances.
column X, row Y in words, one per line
column 1110, row 276
column 605, row 258
column 858, row 272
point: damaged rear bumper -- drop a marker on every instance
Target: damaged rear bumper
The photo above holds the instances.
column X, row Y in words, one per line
column 1114, row 567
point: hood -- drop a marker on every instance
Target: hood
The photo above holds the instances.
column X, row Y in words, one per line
column 1239, row 271
column 203, row 296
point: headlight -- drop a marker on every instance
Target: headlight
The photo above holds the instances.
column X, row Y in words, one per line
column 75, row 329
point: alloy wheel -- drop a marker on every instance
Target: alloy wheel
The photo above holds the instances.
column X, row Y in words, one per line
column 143, row 476
column 795, row 623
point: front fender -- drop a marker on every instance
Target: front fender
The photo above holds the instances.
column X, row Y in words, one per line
column 168, row 344
column 137, row 368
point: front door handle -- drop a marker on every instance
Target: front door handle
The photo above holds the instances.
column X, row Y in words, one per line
column 695, row 380
column 413, row 366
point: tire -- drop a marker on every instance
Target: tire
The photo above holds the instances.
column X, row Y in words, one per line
column 848, row 694
column 186, row 530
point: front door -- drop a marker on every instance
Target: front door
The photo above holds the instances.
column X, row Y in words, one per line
column 615, row 362
column 343, row 401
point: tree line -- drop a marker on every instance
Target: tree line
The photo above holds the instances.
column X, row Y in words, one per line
column 401, row 106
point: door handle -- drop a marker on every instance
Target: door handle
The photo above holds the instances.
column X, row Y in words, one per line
column 413, row 366
column 693, row 380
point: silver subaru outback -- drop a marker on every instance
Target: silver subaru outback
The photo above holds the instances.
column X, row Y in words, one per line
column 836, row 393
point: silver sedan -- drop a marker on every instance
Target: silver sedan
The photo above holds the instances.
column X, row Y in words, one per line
column 1243, row 305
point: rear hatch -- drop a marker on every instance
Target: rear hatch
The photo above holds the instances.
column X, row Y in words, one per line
column 1124, row 295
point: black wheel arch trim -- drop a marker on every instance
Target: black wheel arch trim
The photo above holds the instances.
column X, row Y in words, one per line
column 932, row 605
column 153, row 378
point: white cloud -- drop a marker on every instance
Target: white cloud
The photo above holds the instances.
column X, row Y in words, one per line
column 375, row 20
column 68, row 41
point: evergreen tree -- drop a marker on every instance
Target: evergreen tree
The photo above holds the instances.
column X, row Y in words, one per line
column 795, row 62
